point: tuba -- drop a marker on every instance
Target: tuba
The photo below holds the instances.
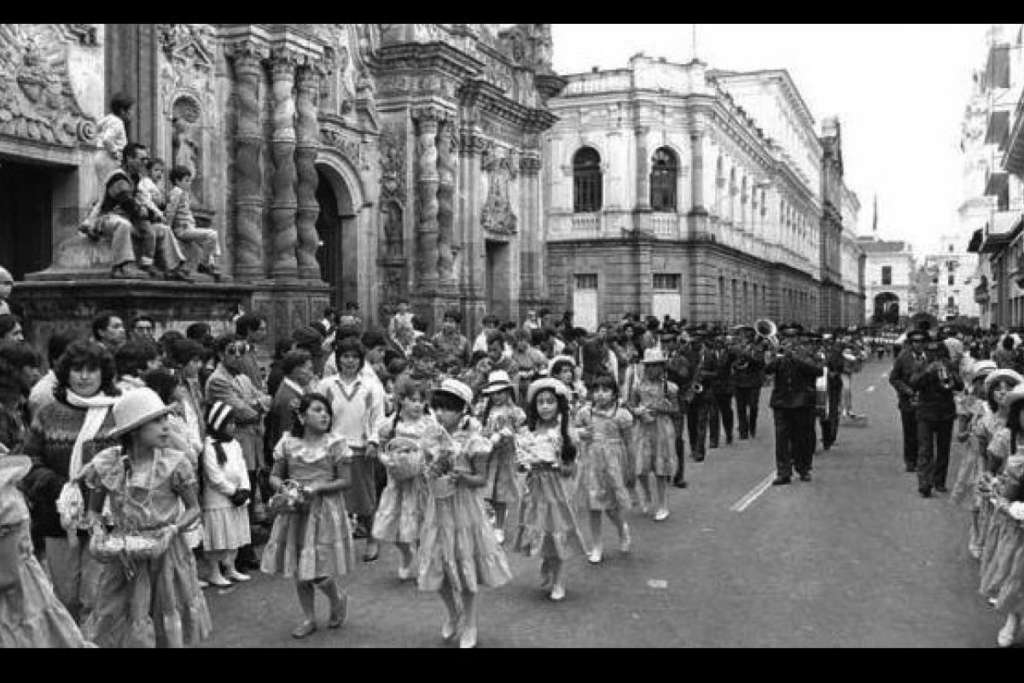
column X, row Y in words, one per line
column 767, row 330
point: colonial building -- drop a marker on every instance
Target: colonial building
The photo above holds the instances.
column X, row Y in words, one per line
column 337, row 162
column 993, row 188
column 673, row 189
column 889, row 273
column 953, row 277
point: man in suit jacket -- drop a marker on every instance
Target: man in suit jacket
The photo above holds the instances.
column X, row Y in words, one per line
column 793, row 403
column 907, row 363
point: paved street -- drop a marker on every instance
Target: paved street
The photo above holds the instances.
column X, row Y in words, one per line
column 853, row 559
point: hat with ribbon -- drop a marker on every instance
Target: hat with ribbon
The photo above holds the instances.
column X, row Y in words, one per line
column 981, row 369
column 550, row 383
column 136, row 408
column 1012, row 377
column 497, row 381
column 457, row 389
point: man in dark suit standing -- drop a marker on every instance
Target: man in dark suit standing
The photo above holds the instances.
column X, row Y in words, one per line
column 907, row 362
column 834, row 360
column 748, row 374
column 793, row 404
column 935, row 381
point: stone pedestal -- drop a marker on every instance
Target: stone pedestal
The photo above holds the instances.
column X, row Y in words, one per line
column 71, row 304
column 289, row 305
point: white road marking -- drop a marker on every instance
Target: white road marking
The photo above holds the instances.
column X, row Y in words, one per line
column 752, row 495
column 884, row 374
column 870, row 389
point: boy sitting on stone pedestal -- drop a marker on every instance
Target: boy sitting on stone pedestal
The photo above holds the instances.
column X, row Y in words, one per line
column 183, row 223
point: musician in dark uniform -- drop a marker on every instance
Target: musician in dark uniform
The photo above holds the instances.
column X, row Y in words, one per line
column 679, row 372
column 906, row 364
column 748, row 377
column 720, row 359
column 835, row 362
column 935, row 381
column 698, row 397
column 793, row 404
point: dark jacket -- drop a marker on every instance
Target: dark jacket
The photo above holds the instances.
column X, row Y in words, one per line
column 753, row 374
column 794, row 380
column 936, row 401
column 720, row 361
column 899, row 377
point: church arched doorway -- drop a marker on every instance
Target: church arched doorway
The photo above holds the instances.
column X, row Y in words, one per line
column 336, row 228
column 887, row 308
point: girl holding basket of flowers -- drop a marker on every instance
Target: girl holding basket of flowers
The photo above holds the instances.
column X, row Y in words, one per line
column 458, row 549
column 311, row 539
column 148, row 594
column 401, row 504
column 547, row 520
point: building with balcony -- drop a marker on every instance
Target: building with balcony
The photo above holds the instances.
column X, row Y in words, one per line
column 990, row 213
column 674, row 189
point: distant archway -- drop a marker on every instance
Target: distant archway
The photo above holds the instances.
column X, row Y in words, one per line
column 887, row 308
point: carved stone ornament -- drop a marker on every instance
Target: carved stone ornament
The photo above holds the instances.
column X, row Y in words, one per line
column 497, row 216
column 37, row 101
column 392, row 156
column 190, row 51
column 350, row 148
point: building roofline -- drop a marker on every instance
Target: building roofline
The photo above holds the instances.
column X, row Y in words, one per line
column 782, row 75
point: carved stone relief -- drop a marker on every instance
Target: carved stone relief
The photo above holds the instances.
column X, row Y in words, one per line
column 37, row 101
column 186, row 141
column 392, row 152
column 497, row 216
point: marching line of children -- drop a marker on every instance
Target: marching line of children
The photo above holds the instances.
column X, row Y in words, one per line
column 989, row 485
column 457, row 468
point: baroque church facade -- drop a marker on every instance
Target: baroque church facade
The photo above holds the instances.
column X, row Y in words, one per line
column 338, row 163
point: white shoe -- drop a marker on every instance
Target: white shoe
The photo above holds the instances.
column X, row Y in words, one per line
column 974, row 551
column 468, row 639
column 216, row 579
column 661, row 515
column 625, row 540
column 203, row 583
column 405, row 573
column 558, row 593
column 235, row 575
column 499, row 535
column 1008, row 631
column 594, row 556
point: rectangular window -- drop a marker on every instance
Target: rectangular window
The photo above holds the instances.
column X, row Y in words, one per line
column 950, row 302
column 586, row 281
column 950, row 279
column 886, row 275
column 667, row 282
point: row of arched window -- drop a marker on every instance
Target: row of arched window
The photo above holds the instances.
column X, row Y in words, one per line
column 586, row 179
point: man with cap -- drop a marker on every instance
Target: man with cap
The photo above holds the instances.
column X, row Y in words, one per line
column 909, row 360
column 835, row 362
column 935, row 383
column 748, row 373
column 696, row 395
column 793, row 403
column 719, row 363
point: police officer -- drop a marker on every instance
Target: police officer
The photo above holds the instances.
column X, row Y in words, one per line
column 792, row 401
column 907, row 362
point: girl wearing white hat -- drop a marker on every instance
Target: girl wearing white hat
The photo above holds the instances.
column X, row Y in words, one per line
column 502, row 419
column 547, row 520
column 148, row 593
column 458, row 552
column 971, row 408
column 654, row 404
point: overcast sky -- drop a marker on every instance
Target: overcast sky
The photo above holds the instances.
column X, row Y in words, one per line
column 899, row 91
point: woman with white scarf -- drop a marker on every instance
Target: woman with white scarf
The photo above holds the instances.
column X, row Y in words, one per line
column 60, row 442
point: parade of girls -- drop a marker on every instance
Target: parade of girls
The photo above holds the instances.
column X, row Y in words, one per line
column 148, row 471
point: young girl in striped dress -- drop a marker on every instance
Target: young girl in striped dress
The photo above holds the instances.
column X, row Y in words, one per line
column 604, row 432
column 400, row 510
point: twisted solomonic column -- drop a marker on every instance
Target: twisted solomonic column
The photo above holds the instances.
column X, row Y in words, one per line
column 283, row 202
column 307, row 142
column 248, row 242
column 427, row 182
column 447, row 149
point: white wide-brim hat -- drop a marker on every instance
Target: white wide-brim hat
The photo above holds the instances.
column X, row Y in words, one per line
column 456, row 389
column 555, row 385
column 981, row 369
column 497, row 380
column 136, row 408
column 1003, row 375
